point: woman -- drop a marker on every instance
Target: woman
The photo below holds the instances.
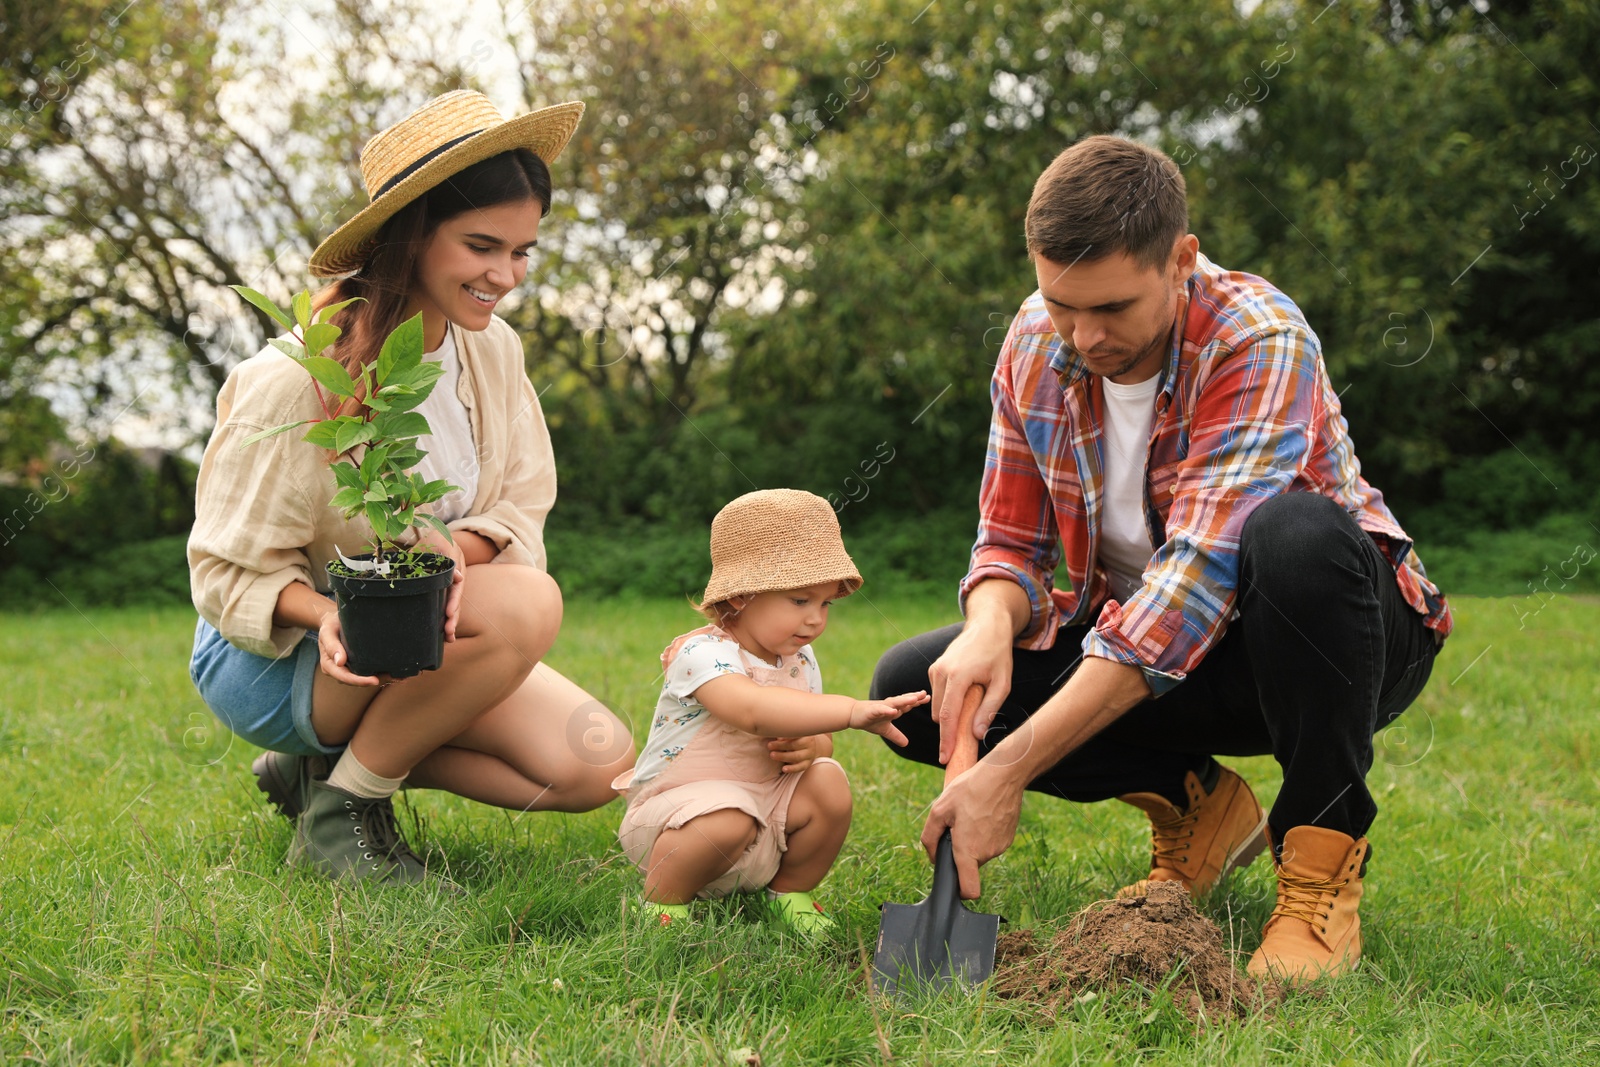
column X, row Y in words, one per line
column 457, row 194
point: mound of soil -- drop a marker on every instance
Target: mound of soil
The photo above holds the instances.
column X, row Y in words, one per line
column 1140, row 940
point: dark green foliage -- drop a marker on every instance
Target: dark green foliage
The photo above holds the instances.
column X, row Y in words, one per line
column 924, row 554
column 103, row 520
column 1375, row 152
column 146, row 572
column 1420, row 178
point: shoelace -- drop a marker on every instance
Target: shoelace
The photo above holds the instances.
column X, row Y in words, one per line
column 385, row 833
column 1168, row 841
column 1303, row 898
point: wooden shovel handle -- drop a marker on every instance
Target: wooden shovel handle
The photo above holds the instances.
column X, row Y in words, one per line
column 965, row 753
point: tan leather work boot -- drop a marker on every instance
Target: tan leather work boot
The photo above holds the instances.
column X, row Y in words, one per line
column 1314, row 931
column 1222, row 830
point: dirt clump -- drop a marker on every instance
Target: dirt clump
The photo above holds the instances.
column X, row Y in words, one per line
column 1140, row 940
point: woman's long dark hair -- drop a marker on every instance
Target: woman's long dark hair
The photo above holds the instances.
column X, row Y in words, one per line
column 386, row 279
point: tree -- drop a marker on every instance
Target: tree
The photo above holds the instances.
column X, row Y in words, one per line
column 158, row 153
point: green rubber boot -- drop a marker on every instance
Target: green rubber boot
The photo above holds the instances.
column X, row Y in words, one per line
column 342, row 835
column 284, row 778
column 662, row 914
column 798, row 912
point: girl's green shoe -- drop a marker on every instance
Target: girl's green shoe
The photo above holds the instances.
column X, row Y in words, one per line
column 661, row 914
column 798, row 912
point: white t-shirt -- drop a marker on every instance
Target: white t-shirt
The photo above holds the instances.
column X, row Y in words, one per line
column 1125, row 548
column 451, row 454
column 679, row 716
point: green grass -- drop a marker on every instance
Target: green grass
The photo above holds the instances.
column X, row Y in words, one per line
column 146, row 917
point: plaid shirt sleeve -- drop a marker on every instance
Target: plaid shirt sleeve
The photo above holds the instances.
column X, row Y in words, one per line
column 1250, row 422
column 1017, row 535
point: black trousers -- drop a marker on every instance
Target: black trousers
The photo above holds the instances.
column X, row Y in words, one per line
column 1324, row 653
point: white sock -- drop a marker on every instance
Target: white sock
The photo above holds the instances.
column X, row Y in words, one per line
column 348, row 774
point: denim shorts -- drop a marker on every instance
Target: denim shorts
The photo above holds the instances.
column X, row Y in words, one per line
column 267, row 702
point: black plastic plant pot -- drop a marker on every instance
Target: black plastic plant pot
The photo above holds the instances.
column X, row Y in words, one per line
column 394, row 625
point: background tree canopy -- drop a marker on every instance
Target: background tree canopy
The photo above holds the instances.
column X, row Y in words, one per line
column 788, row 238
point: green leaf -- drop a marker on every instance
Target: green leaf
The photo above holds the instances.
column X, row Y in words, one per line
column 348, row 497
column 380, row 460
column 402, row 424
column 275, row 431
column 378, row 516
column 420, row 378
column 347, row 475
column 378, row 403
column 327, row 313
column 293, row 349
column 322, row 434
column 435, row 490
column 302, row 308
column 331, row 374
column 354, row 432
column 427, row 375
column 401, row 349
column 320, row 336
column 376, row 496
column 404, row 455
column 400, row 398
column 433, row 520
column 370, row 464
column 263, row 303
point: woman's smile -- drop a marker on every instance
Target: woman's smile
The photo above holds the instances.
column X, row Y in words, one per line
column 484, row 299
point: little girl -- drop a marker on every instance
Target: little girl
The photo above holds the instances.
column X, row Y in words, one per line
column 735, row 790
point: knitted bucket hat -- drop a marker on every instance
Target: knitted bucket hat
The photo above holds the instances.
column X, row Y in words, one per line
column 776, row 539
column 442, row 137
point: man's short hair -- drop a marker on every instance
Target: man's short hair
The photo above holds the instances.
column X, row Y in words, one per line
column 1106, row 195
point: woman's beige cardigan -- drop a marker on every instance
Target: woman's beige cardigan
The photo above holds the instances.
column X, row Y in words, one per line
column 262, row 518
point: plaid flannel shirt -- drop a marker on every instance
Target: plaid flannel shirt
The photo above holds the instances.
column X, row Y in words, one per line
column 1245, row 411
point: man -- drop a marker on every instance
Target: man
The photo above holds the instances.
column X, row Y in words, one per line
column 1166, row 431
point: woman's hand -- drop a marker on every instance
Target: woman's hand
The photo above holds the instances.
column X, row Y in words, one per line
column 431, row 540
column 876, row 716
column 797, row 753
column 332, row 656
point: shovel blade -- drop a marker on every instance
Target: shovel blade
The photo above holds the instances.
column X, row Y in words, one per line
column 936, row 942
column 911, row 953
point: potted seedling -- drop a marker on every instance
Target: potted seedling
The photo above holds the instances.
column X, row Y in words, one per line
column 391, row 599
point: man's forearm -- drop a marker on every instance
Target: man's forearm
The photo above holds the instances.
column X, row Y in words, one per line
column 1096, row 695
column 999, row 603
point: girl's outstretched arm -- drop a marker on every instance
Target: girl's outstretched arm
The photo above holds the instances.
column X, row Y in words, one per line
column 775, row 711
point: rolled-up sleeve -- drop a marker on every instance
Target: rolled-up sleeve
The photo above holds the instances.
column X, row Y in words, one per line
column 1017, row 535
column 1249, row 441
column 514, row 516
column 252, row 521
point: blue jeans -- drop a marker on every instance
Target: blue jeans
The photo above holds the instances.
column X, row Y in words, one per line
column 265, row 701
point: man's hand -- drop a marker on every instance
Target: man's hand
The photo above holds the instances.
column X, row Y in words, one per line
column 982, row 806
column 980, row 810
column 997, row 610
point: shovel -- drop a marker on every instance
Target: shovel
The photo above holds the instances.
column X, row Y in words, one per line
column 940, row 939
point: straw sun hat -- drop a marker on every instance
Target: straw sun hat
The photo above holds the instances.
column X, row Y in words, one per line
column 776, row 539
column 442, row 137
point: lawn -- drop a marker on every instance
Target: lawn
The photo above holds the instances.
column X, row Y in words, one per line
column 147, row 917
